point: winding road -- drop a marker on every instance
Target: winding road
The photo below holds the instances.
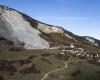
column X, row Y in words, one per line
column 46, row 75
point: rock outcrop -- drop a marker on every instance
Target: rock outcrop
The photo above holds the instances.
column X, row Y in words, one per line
column 49, row 28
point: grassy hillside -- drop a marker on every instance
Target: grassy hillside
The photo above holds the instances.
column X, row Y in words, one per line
column 77, row 70
column 16, row 63
column 20, row 64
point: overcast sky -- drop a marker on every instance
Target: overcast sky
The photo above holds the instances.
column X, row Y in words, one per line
column 81, row 17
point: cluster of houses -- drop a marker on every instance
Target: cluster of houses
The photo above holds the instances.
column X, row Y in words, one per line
column 79, row 52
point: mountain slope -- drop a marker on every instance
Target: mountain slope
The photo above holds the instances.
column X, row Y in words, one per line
column 20, row 28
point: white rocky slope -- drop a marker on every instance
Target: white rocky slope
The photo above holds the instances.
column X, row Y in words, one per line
column 91, row 40
column 49, row 28
column 14, row 28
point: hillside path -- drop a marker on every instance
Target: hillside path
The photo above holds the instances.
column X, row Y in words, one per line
column 46, row 75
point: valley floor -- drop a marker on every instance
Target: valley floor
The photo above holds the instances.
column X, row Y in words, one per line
column 20, row 64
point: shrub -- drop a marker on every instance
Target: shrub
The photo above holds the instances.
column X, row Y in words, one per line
column 22, row 62
column 31, row 57
column 76, row 73
column 1, row 78
column 45, row 54
column 48, row 61
column 16, row 48
column 31, row 69
column 7, row 66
